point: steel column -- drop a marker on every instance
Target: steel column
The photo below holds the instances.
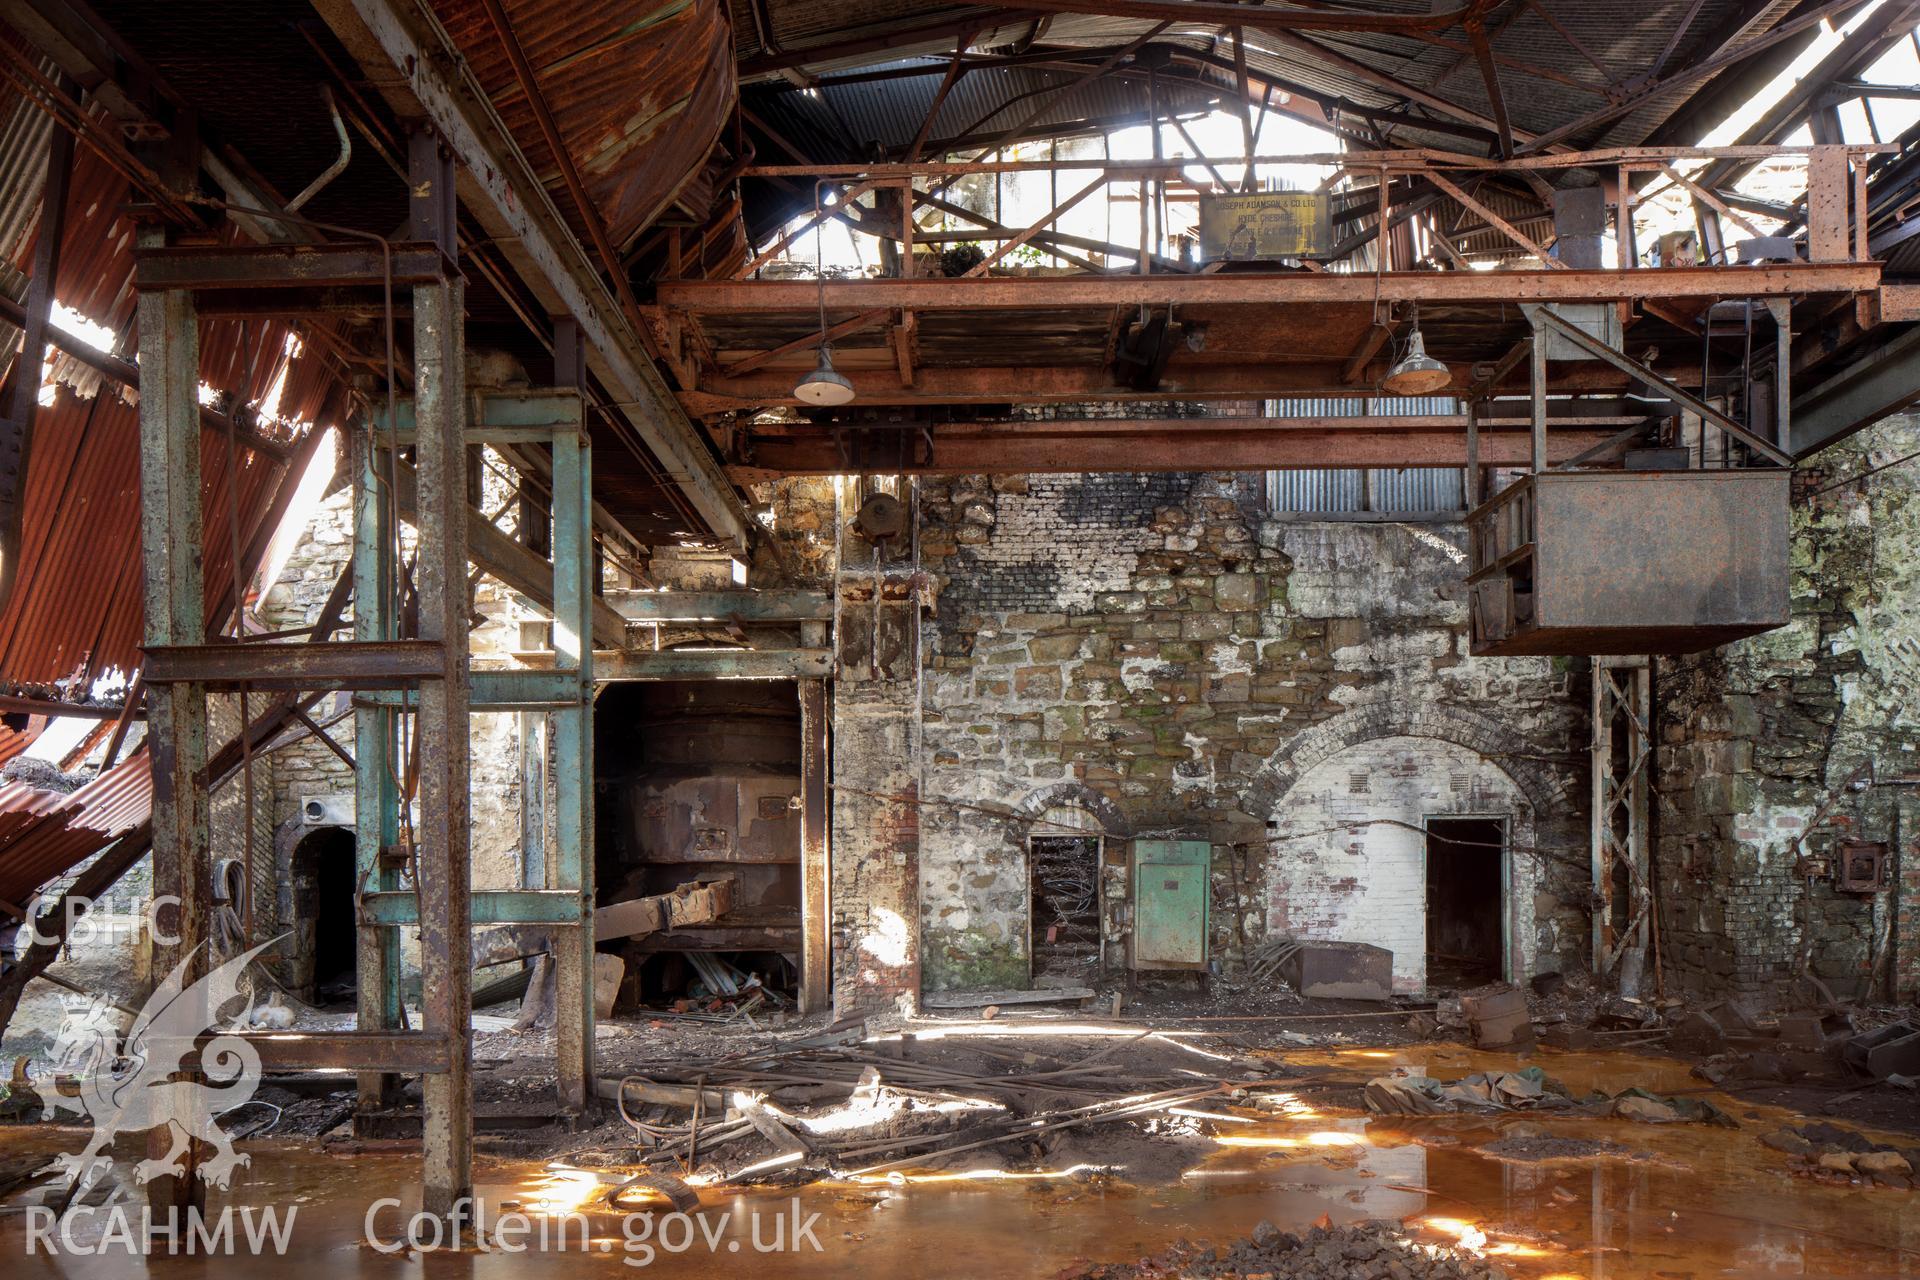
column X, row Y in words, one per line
column 1781, row 309
column 441, row 731
column 175, row 599
column 815, row 878
column 440, row 576
column 1537, row 363
column 16, row 429
column 376, row 798
column 572, row 844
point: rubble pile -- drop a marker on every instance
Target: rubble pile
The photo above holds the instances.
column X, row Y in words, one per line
column 1364, row 1251
column 1829, row 1153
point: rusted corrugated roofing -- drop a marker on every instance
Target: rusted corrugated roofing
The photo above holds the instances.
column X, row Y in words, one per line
column 74, row 614
column 1539, row 58
column 44, row 833
column 639, row 93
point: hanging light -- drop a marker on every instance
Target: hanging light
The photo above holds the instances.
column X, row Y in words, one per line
column 823, row 386
column 1416, row 373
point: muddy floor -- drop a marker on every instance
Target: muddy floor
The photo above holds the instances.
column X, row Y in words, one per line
column 1534, row 1195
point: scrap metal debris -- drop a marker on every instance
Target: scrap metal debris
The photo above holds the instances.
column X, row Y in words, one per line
column 875, row 1109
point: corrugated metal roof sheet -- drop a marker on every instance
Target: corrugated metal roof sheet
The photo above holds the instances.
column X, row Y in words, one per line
column 640, row 93
column 75, row 611
column 843, row 119
column 1627, row 39
column 43, row 833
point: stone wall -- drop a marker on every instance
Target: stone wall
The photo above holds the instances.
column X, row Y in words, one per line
column 1791, row 742
column 1157, row 651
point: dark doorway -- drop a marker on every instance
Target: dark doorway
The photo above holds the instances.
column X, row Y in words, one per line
column 1065, row 875
column 1466, row 925
column 323, row 880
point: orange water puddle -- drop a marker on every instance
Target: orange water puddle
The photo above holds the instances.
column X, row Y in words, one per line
column 1706, row 1202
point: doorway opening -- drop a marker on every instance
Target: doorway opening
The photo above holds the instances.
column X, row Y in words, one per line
column 1064, row 876
column 1466, row 901
column 325, row 928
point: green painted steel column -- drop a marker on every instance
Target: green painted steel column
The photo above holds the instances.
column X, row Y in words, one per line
column 376, row 799
column 573, row 766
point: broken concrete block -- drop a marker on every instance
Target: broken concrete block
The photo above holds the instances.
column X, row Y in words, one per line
column 1745, row 1013
column 1883, row 1162
column 1339, row 971
column 1499, row 1019
column 1891, row 1050
column 1803, row 1031
column 1568, row 1037
column 1788, row 1141
column 607, row 973
column 1698, row 1032
column 1645, row 1110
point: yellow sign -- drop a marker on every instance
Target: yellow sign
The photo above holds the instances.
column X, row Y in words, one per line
column 1264, row 226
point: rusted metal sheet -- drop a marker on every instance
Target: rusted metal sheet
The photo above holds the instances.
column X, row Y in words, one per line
column 640, row 94
column 43, row 833
column 75, row 612
column 1629, row 562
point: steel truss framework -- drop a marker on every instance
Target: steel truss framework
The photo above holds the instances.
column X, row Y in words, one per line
column 1623, row 922
column 413, row 864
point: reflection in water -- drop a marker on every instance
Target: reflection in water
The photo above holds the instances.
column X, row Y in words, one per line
column 1688, row 1201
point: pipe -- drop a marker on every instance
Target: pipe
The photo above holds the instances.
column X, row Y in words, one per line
column 335, row 169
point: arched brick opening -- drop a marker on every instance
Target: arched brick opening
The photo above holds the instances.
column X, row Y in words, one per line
column 1374, row 720
column 1301, row 875
column 1069, row 795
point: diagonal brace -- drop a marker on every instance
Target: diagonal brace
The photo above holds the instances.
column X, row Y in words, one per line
column 1601, row 351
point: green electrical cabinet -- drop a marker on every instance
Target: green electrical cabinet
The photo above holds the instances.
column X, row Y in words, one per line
column 1171, row 891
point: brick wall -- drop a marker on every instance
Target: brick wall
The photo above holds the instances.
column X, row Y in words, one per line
column 1157, row 649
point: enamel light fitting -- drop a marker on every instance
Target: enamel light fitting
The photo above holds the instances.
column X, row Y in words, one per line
column 824, row 386
column 1416, row 373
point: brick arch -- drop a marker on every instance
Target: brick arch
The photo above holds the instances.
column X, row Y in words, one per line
column 1542, row 789
column 1069, row 795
